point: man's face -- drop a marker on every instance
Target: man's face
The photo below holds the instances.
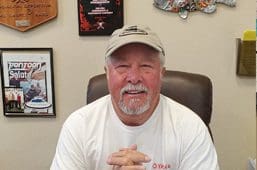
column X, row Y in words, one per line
column 134, row 79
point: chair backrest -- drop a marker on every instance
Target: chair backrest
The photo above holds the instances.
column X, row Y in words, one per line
column 191, row 90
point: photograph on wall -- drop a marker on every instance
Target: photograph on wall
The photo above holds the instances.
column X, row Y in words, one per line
column 27, row 81
column 13, row 100
column 99, row 17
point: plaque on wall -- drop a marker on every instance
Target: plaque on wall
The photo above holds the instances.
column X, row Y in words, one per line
column 23, row 15
column 246, row 58
column 99, row 17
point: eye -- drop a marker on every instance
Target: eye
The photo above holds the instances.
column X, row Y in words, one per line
column 146, row 66
column 122, row 66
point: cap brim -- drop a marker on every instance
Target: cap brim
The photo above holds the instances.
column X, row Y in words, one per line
column 126, row 41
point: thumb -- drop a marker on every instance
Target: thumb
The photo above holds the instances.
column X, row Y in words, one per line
column 133, row 146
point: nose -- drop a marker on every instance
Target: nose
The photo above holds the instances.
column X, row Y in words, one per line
column 134, row 76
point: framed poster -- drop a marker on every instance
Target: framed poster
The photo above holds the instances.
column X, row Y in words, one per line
column 27, row 81
column 99, row 17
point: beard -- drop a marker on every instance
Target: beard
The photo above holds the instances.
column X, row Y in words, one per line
column 134, row 106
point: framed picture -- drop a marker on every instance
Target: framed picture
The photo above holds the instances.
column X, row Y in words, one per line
column 27, row 82
column 99, row 17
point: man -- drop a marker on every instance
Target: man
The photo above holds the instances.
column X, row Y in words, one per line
column 135, row 127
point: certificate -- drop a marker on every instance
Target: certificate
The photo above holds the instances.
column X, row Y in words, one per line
column 99, row 17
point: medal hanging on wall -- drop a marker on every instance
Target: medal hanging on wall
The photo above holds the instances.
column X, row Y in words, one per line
column 183, row 7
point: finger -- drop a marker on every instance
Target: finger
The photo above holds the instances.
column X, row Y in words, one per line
column 139, row 157
column 120, row 161
column 121, row 153
column 134, row 167
column 127, row 152
column 135, row 156
column 126, row 156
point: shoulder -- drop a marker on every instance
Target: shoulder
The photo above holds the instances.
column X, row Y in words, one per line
column 89, row 114
column 178, row 111
column 184, row 121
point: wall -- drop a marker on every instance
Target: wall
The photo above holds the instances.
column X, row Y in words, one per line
column 202, row 44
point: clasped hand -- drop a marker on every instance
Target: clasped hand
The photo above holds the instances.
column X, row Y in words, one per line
column 128, row 159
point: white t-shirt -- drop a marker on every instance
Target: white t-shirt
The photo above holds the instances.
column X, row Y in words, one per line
column 174, row 137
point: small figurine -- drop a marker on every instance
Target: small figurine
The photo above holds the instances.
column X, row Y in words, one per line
column 183, row 7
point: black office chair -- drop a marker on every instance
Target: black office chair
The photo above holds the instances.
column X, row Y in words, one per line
column 191, row 90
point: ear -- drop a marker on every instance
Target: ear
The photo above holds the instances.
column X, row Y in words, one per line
column 163, row 71
column 105, row 69
column 106, row 72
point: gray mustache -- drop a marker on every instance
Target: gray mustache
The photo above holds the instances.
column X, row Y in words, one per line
column 138, row 87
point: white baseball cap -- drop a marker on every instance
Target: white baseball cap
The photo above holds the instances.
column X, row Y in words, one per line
column 134, row 34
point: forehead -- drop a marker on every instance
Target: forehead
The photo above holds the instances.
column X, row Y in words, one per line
column 135, row 51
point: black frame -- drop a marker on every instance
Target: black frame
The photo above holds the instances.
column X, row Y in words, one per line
column 100, row 18
column 27, row 82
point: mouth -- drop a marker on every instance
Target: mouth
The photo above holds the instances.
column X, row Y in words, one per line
column 134, row 92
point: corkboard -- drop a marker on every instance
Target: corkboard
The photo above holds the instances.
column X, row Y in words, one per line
column 23, row 15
